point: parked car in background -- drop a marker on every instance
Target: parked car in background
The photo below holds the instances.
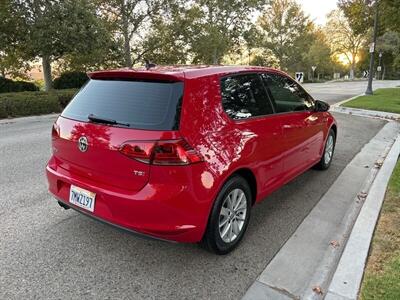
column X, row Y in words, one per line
column 183, row 153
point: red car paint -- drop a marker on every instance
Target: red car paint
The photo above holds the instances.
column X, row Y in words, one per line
column 173, row 202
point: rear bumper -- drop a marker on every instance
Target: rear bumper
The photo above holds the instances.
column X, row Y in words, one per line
column 90, row 215
column 164, row 211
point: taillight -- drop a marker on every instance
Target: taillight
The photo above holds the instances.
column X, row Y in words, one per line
column 55, row 131
column 140, row 151
column 171, row 152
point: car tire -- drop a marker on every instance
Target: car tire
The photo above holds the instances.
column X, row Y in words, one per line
column 329, row 150
column 229, row 216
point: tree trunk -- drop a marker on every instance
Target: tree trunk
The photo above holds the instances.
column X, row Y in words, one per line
column 46, row 65
column 127, row 51
column 352, row 73
column 215, row 57
column 125, row 33
column 353, row 66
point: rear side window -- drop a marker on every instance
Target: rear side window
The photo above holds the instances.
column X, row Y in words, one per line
column 244, row 96
column 288, row 96
column 140, row 104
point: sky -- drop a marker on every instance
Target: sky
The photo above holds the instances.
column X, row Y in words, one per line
column 318, row 9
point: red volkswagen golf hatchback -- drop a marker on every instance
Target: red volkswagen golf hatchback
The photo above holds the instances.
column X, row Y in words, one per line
column 183, row 153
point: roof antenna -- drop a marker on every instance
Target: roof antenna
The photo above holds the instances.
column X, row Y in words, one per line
column 149, row 65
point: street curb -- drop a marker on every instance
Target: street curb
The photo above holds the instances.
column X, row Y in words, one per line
column 338, row 104
column 337, row 107
column 28, row 118
column 366, row 113
column 273, row 281
column 347, row 278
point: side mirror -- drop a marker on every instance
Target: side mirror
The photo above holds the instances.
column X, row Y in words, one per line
column 321, row 106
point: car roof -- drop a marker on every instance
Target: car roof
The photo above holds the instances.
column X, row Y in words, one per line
column 177, row 73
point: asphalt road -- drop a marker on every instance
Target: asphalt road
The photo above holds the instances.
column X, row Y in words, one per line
column 336, row 91
column 49, row 253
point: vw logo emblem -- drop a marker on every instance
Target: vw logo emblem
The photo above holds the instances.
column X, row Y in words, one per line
column 83, row 144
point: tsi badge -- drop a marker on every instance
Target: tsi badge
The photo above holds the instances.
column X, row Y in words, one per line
column 83, row 144
column 138, row 173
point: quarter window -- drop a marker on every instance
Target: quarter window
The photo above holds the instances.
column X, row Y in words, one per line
column 244, row 96
column 288, row 96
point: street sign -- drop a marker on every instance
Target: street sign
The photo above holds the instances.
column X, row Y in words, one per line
column 379, row 68
column 372, row 48
column 300, row 77
column 365, row 74
column 313, row 68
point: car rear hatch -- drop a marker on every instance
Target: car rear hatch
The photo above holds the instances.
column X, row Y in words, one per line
column 109, row 131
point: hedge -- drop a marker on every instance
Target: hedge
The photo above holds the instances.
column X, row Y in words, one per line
column 70, row 80
column 8, row 86
column 34, row 103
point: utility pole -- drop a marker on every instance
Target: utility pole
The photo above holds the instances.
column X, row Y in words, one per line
column 372, row 51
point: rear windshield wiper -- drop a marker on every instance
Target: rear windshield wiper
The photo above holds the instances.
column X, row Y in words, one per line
column 102, row 120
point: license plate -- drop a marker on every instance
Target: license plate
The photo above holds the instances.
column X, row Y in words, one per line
column 82, row 198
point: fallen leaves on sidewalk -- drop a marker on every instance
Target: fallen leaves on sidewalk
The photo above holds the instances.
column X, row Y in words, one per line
column 378, row 164
column 317, row 289
column 362, row 195
column 334, row 244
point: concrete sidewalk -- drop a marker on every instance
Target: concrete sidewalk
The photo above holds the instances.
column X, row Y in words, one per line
column 346, row 281
column 304, row 266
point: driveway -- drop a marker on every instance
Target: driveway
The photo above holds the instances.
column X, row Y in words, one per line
column 47, row 252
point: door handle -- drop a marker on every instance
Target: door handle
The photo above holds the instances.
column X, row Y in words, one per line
column 291, row 126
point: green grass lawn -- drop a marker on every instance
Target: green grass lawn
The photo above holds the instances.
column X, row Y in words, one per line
column 382, row 274
column 383, row 100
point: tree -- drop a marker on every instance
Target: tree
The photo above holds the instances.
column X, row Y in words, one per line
column 12, row 62
column 169, row 40
column 131, row 20
column 319, row 54
column 389, row 45
column 343, row 39
column 55, row 28
column 359, row 14
column 220, row 26
column 390, row 14
column 199, row 31
column 263, row 58
column 13, row 65
column 287, row 32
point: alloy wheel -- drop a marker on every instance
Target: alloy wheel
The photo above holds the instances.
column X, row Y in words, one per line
column 328, row 149
column 232, row 215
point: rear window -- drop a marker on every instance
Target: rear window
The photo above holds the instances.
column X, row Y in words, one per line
column 140, row 104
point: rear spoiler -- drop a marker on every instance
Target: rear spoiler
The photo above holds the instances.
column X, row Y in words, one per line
column 138, row 74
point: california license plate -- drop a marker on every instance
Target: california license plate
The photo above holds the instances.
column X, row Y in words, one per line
column 82, row 198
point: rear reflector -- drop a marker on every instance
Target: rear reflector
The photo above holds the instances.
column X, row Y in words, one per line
column 55, row 131
column 171, row 152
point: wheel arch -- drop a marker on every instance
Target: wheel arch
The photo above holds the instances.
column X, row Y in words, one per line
column 334, row 128
column 249, row 176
